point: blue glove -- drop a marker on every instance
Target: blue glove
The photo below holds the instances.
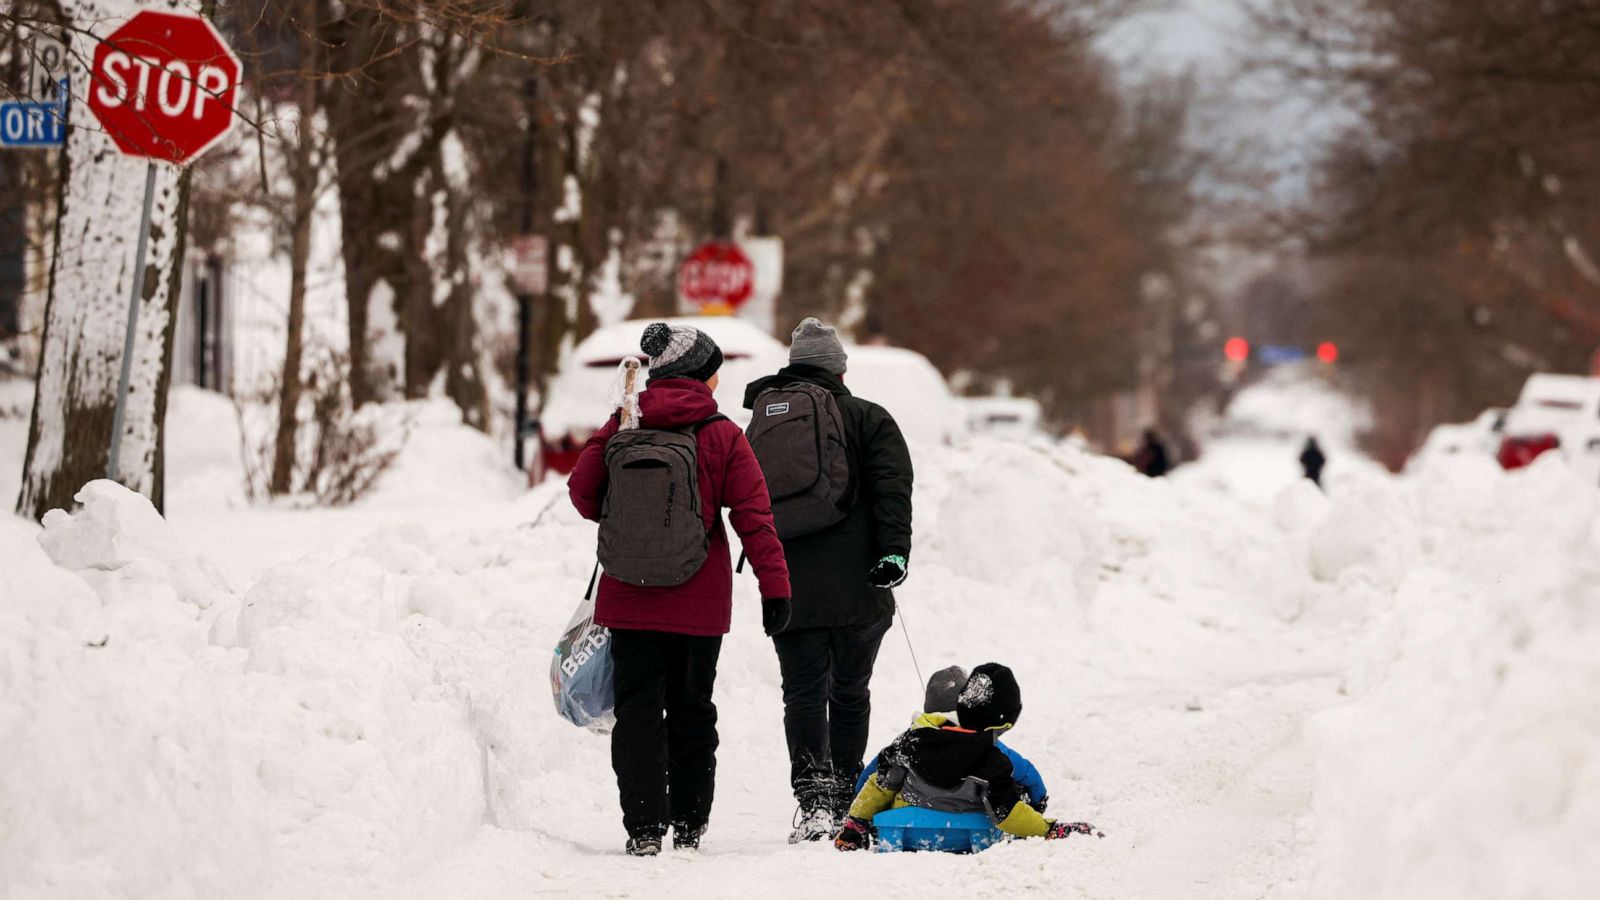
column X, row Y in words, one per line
column 890, row 572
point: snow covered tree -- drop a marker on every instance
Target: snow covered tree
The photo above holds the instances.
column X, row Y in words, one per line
column 91, row 277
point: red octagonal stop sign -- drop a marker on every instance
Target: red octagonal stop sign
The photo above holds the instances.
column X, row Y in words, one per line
column 717, row 277
column 163, row 86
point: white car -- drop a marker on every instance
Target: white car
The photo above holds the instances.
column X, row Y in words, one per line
column 1555, row 412
column 580, row 395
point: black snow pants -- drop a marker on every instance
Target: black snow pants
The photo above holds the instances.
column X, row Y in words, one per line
column 664, row 746
column 827, row 705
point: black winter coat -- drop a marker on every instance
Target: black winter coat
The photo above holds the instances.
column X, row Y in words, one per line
column 828, row 569
column 945, row 756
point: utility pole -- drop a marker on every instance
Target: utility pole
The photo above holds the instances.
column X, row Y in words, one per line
column 529, row 177
column 721, row 219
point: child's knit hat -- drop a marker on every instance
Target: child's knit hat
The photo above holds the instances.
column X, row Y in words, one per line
column 991, row 699
column 944, row 689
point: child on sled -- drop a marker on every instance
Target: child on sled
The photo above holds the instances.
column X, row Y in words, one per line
column 955, row 763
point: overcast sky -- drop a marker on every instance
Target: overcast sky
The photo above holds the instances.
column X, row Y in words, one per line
column 1276, row 124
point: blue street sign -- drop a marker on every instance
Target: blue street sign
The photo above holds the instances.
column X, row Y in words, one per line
column 35, row 123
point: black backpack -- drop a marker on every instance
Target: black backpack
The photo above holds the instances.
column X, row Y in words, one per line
column 652, row 525
column 797, row 433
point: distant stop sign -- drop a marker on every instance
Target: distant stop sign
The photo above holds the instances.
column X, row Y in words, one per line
column 164, row 86
column 717, row 277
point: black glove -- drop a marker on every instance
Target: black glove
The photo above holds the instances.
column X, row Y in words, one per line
column 854, row 834
column 1059, row 830
column 890, row 572
column 775, row 612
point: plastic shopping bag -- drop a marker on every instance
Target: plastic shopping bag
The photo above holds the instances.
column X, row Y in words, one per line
column 581, row 671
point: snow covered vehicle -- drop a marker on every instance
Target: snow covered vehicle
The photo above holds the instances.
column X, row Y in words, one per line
column 1554, row 412
column 1016, row 418
column 1481, row 436
column 906, row 384
column 578, row 395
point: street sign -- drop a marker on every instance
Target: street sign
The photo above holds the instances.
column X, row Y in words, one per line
column 46, row 76
column 717, row 277
column 164, row 85
column 529, row 264
column 35, row 123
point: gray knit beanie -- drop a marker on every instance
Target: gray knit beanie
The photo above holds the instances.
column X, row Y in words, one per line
column 680, row 351
column 816, row 344
column 944, row 690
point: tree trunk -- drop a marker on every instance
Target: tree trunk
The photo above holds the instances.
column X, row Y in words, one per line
column 305, row 191
column 91, row 277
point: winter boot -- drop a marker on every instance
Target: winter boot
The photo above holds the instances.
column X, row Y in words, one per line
column 687, row 837
column 813, row 824
column 644, row 845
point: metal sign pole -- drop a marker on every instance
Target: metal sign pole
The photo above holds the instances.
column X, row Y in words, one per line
column 133, row 324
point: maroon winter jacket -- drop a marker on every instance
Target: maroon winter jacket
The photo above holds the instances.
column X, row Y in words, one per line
column 729, row 476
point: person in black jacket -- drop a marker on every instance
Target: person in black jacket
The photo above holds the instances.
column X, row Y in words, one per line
column 1152, row 458
column 841, row 579
column 1312, row 460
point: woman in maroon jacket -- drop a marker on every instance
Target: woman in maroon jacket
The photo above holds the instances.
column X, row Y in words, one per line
column 665, row 640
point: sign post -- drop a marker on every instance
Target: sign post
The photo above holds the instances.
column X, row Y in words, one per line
column 717, row 277
column 163, row 87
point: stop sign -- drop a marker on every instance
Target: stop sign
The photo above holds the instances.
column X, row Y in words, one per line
column 718, row 277
column 164, row 85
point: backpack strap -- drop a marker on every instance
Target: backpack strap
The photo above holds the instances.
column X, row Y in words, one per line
column 694, row 427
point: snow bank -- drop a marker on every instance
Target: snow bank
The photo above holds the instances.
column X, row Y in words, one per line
column 205, row 453
column 446, row 462
column 167, row 737
column 1466, row 763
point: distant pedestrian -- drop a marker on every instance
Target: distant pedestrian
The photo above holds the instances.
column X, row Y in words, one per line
column 1312, row 460
column 1152, row 458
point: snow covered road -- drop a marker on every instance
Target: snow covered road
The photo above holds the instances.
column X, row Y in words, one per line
column 355, row 703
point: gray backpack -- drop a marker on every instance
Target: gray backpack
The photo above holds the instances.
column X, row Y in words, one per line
column 652, row 526
column 797, row 433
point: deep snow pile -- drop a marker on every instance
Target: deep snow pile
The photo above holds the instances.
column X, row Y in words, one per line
column 351, row 719
column 1468, row 762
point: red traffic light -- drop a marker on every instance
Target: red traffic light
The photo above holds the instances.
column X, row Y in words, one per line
column 1328, row 352
column 1237, row 349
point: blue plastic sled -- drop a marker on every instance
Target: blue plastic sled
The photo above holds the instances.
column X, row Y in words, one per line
column 913, row 828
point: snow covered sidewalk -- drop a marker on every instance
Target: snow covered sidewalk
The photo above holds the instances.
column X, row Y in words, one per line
column 356, row 702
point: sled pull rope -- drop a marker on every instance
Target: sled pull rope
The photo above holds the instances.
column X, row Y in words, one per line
column 900, row 613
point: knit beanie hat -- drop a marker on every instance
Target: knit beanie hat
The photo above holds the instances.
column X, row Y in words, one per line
column 944, row 688
column 680, row 351
column 991, row 699
column 816, row 344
